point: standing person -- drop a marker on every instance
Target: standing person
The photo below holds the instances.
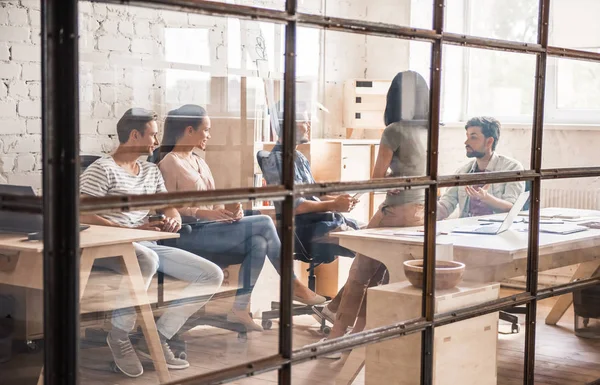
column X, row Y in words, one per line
column 402, row 152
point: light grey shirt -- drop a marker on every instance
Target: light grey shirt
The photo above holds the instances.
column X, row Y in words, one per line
column 507, row 191
column 408, row 141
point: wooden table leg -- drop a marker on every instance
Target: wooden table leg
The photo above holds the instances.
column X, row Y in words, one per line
column 585, row 270
column 88, row 256
column 41, row 377
column 131, row 270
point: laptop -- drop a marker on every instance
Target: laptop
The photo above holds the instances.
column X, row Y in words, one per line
column 22, row 223
column 497, row 228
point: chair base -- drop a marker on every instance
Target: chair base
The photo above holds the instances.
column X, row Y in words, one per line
column 272, row 314
column 513, row 319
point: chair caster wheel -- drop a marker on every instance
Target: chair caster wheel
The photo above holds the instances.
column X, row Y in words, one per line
column 267, row 324
column 182, row 356
column 242, row 336
column 325, row 330
column 32, row 346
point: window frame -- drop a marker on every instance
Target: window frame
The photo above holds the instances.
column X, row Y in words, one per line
column 61, row 166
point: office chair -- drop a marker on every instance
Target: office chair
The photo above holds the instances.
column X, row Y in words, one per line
column 314, row 254
column 508, row 314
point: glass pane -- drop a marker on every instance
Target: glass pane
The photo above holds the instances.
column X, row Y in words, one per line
column 568, row 230
column 396, row 361
column 143, row 88
column 21, row 273
column 484, row 229
column 479, row 350
column 572, row 106
column 567, row 336
column 568, row 352
column 353, row 260
column 414, row 13
column 212, row 305
column 487, row 110
column 572, row 24
column 515, row 20
column 231, row 76
column 345, row 107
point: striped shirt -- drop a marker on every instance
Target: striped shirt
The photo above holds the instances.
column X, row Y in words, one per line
column 105, row 177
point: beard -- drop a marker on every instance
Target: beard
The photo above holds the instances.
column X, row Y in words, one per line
column 475, row 154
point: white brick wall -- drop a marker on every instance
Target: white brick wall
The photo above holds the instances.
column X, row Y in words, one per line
column 122, row 59
column 26, row 52
column 18, row 16
column 14, row 34
column 32, row 71
column 4, row 52
column 8, row 109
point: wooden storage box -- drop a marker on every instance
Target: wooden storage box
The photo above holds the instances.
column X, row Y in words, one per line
column 464, row 352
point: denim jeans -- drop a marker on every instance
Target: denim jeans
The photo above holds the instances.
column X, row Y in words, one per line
column 248, row 240
column 204, row 277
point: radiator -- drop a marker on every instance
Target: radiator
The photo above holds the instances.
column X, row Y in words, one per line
column 576, row 199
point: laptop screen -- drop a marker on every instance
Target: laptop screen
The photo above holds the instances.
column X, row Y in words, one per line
column 514, row 211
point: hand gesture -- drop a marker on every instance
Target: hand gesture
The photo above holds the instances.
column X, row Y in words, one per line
column 171, row 225
column 480, row 193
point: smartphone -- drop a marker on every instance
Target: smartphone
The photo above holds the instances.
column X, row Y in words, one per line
column 156, row 217
column 357, row 195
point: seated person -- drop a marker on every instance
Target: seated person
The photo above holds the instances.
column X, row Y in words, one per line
column 123, row 174
column 229, row 234
column 483, row 134
column 402, row 152
column 315, row 216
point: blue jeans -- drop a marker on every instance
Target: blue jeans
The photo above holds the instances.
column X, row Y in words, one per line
column 246, row 241
column 204, row 276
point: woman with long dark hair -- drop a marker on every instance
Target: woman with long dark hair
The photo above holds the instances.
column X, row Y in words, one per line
column 227, row 237
column 402, row 152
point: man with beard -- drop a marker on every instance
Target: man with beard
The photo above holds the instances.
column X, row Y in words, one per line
column 483, row 134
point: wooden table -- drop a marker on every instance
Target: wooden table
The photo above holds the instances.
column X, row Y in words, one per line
column 488, row 258
column 26, row 270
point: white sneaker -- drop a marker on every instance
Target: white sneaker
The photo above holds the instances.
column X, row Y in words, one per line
column 331, row 356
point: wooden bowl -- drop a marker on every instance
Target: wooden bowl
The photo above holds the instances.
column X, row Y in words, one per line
column 447, row 273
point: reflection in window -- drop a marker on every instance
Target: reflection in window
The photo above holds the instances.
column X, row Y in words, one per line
column 187, row 45
column 491, row 83
column 578, row 85
column 183, row 87
column 514, row 20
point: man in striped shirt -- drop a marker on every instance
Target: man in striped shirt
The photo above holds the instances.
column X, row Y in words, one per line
column 122, row 173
